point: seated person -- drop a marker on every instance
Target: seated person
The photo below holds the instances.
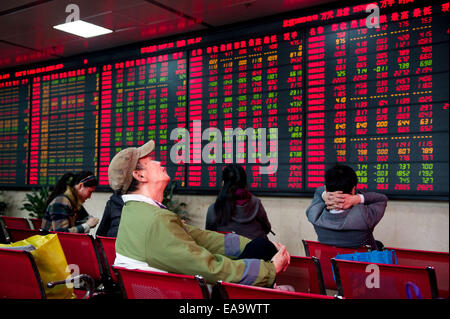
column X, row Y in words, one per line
column 151, row 237
column 340, row 216
column 65, row 211
column 236, row 209
column 111, row 216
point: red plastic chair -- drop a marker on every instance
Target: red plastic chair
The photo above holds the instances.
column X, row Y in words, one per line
column 353, row 281
column 36, row 222
column 141, row 284
column 80, row 250
column 19, row 276
column 304, row 275
column 17, row 234
column 107, row 248
column 324, row 253
column 236, row 291
column 16, row 222
column 422, row 258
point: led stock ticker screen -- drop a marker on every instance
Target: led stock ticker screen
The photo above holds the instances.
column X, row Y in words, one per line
column 286, row 99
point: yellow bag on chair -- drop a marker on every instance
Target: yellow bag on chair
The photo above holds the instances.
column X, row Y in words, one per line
column 51, row 263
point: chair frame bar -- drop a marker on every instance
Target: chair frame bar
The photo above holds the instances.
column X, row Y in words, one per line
column 319, row 275
column 107, row 276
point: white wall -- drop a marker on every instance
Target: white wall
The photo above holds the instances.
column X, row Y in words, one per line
column 406, row 224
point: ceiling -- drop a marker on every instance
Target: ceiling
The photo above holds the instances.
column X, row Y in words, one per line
column 27, row 34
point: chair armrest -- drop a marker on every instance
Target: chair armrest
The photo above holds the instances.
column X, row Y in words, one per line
column 88, row 280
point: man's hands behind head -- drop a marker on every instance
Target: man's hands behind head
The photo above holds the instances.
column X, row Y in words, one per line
column 338, row 200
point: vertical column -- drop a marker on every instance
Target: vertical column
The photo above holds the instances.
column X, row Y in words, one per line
column 180, row 112
column 195, row 117
column 295, row 110
column 340, row 94
column 95, row 109
column 35, row 130
column 424, row 140
column 118, row 107
column 105, row 124
column 381, row 171
column 402, row 83
column 212, row 108
column 226, row 101
column 271, row 103
column 152, row 97
column 163, row 104
column 359, row 93
column 256, row 102
column 315, row 109
column 140, row 135
column 44, row 132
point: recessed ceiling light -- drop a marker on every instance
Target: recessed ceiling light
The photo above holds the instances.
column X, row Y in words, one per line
column 82, row 29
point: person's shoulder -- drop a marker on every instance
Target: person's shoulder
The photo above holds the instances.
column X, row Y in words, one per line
column 210, row 209
column 61, row 199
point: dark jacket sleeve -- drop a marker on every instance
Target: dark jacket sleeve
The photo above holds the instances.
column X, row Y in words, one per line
column 105, row 223
column 109, row 225
column 211, row 219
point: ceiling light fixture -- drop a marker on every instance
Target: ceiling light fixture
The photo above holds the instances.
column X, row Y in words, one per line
column 82, row 29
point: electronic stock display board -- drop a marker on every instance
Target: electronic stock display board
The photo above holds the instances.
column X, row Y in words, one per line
column 286, row 99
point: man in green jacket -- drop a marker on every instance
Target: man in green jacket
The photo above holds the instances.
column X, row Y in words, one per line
column 153, row 238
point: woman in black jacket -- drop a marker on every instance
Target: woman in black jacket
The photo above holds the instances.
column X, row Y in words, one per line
column 111, row 216
column 236, row 209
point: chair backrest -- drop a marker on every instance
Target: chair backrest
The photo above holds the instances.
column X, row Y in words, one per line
column 236, row 291
column 19, row 276
column 17, row 234
column 107, row 246
column 142, row 284
column 422, row 258
column 324, row 253
column 304, row 275
column 16, row 222
column 36, row 222
column 80, row 250
column 361, row 280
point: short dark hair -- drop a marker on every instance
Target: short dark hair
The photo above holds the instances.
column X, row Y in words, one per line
column 340, row 178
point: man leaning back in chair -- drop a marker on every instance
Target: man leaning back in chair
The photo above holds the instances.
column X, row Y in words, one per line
column 150, row 237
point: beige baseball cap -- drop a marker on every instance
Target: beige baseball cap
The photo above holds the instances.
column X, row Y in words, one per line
column 120, row 170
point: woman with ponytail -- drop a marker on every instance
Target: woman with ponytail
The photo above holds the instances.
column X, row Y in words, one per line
column 65, row 211
column 236, row 209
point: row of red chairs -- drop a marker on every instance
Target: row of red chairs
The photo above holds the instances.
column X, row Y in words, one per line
column 310, row 274
column 19, row 278
column 428, row 270
column 79, row 249
column 140, row 284
column 18, row 228
column 95, row 258
column 21, row 222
